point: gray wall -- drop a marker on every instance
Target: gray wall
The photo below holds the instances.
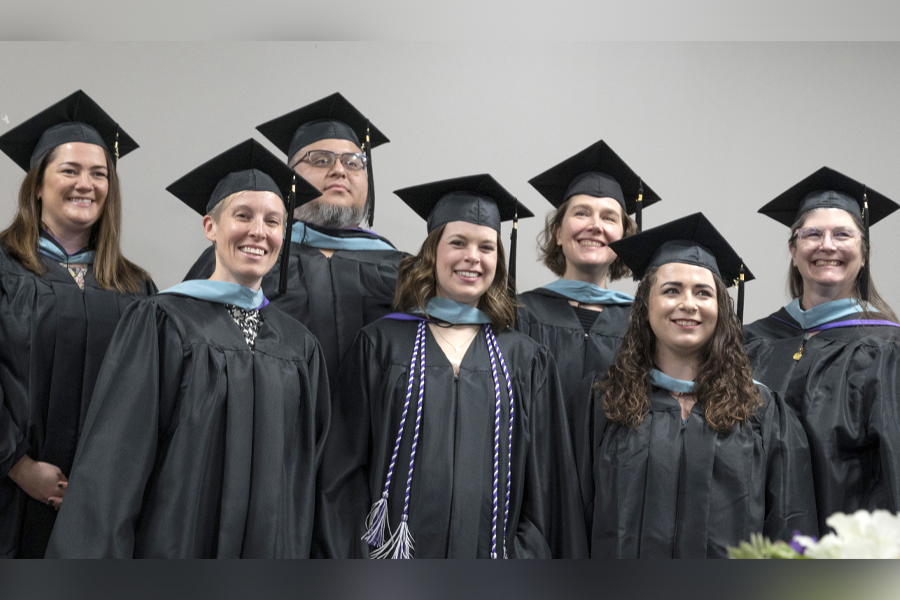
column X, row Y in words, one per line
column 717, row 127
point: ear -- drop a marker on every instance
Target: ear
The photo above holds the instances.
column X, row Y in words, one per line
column 793, row 250
column 556, row 231
column 209, row 228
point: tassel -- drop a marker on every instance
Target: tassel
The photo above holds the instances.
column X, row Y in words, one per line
column 740, row 302
column 864, row 284
column 638, row 217
column 377, row 523
column 400, row 546
column 286, row 244
column 511, row 271
column 371, row 176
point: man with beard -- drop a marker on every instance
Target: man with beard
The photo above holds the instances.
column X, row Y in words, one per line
column 339, row 277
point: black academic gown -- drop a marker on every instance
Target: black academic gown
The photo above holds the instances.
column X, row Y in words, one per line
column 195, row 447
column 332, row 297
column 53, row 336
column 846, row 390
column 674, row 490
column 451, row 497
column 548, row 318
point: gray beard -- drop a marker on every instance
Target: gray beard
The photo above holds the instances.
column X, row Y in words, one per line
column 329, row 215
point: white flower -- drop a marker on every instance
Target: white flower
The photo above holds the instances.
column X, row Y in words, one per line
column 860, row 535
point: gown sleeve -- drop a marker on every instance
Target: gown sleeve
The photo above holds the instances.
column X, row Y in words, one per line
column 343, row 488
column 790, row 497
column 117, row 449
column 552, row 512
column 13, row 445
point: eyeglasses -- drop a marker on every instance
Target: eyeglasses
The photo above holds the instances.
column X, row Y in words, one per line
column 324, row 159
column 840, row 236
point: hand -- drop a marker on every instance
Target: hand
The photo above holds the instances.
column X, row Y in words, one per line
column 42, row 481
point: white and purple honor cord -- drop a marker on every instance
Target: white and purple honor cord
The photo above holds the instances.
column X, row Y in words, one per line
column 400, row 543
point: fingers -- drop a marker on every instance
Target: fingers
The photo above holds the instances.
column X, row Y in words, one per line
column 55, row 502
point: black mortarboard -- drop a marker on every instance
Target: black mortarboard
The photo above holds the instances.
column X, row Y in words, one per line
column 245, row 167
column 332, row 117
column 75, row 118
column 477, row 199
column 596, row 171
column 827, row 188
column 690, row 240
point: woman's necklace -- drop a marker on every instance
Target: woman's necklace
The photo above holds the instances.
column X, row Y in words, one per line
column 458, row 349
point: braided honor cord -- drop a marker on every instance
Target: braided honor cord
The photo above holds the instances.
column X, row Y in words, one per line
column 494, row 351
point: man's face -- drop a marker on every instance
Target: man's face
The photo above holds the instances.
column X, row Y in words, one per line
column 339, row 186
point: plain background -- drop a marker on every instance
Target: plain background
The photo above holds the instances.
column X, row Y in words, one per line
column 715, row 127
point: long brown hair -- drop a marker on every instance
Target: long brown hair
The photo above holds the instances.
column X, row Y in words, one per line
column 111, row 270
column 724, row 385
column 417, row 283
column 795, row 280
column 552, row 254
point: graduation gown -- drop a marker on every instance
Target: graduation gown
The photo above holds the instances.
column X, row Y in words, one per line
column 548, row 318
column 194, row 446
column 681, row 490
column 332, row 297
column 53, row 336
column 846, row 390
column 451, row 496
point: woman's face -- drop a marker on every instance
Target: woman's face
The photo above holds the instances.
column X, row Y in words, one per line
column 588, row 227
column 74, row 189
column 827, row 250
column 248, row 237
column 466, row 262
column 683, row 309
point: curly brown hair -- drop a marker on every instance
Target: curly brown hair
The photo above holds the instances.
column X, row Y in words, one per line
column 111, row 269
column 724, row 385
column 417, row 284
column 795, row 280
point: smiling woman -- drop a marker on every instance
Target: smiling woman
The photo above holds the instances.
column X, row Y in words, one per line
column 63, row 286
column 833, row 352
column 684, row 454
column 215, row 401
column 478, row 464
column 577, row 317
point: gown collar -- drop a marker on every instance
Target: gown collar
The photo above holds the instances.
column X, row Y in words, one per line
column 221, row 292
column 823, row 313
column 453, row 312
column 48, row 246
column 587, row 293
column 661, row 380
column 307, row 235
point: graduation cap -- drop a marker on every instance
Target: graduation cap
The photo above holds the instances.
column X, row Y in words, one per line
column 332, row 117
column 596, row 171
column 245, row 167
column 689, row 240
column 76, row 118
column 827, row 188
column 477, row 199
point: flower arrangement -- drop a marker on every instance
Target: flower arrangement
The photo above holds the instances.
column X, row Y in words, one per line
column 860, row 535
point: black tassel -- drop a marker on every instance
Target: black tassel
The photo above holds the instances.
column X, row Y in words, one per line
column 638, row 217
column 370, row 200
column 286, row 245
column 511, row 274
column 740, row 302
column 864, row 284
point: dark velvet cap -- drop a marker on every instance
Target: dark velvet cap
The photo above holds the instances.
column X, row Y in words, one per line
column 690, row 240
column 331, row 117
column 477, row 199
column 245, row 167
column 76, row 118
column 827, row 188
column 596, row 171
